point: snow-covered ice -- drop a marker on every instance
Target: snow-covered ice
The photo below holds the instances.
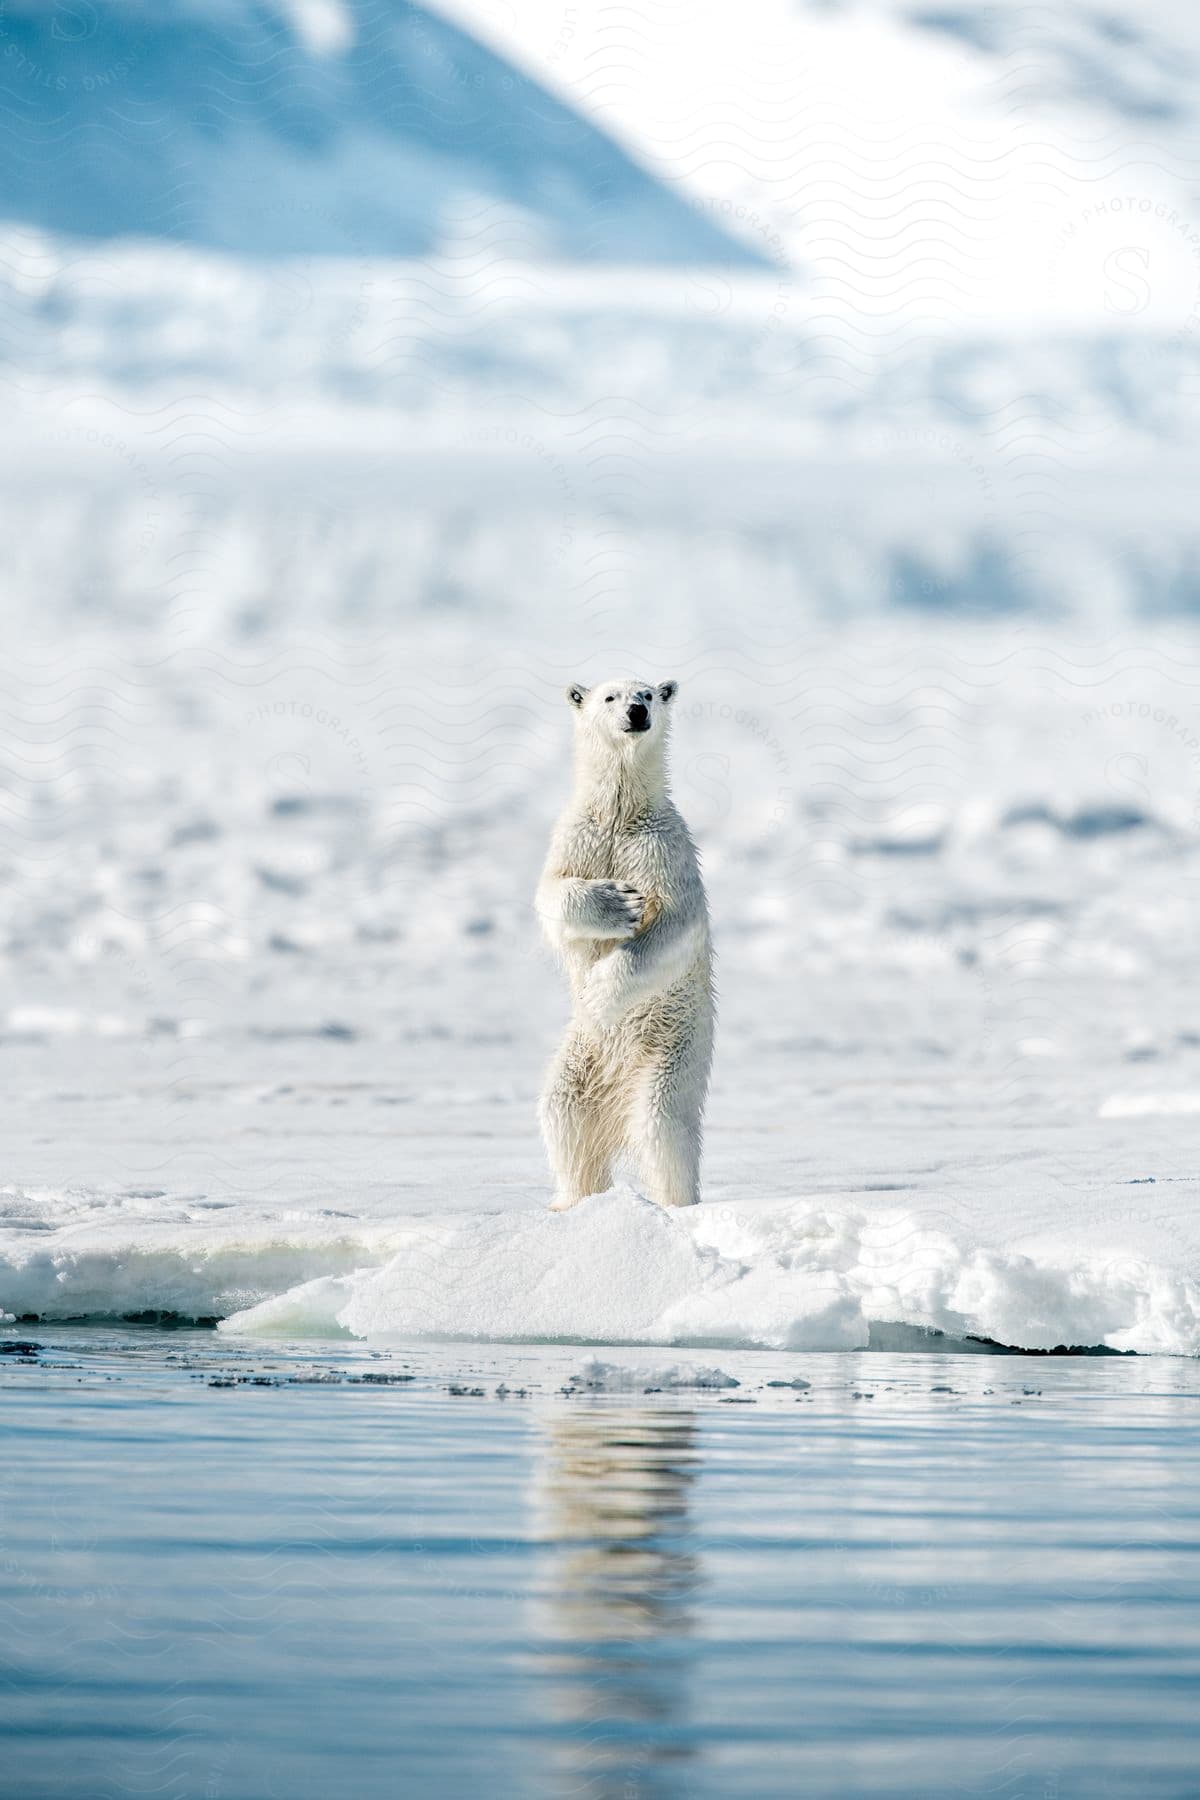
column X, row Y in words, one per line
column 798, row 1277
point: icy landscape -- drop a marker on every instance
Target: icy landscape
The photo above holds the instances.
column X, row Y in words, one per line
column 857, row 393
column 371, row 371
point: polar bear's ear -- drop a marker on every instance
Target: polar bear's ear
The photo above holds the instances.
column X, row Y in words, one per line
column 576, row 694
column 667, row 691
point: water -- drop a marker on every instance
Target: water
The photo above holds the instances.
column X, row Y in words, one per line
column 923, row 1575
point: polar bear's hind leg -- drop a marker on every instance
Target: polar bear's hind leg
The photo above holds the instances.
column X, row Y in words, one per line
column 671, row 1161
column 575, row 1129
column 665, row 1140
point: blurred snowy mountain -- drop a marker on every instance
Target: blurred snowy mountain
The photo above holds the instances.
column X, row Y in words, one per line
column 275, row 128
column 917, row 164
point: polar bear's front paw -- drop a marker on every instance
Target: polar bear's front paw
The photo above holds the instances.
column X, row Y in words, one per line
column 617, row 907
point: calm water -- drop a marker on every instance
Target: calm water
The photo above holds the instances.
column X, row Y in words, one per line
column 326, row 1585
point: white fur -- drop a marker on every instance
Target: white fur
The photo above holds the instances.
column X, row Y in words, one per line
column 622, row 903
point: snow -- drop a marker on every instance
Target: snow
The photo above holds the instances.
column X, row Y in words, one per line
column 1150, row 1106
column 596, row 1376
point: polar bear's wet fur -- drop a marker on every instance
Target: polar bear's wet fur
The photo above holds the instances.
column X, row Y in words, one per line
column 622, row 904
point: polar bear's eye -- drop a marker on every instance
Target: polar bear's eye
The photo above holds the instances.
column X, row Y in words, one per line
column 609, row 697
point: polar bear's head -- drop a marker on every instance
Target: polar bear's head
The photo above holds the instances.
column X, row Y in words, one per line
column 625, row 714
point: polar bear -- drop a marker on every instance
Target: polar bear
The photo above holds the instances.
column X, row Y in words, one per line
column 622, row 903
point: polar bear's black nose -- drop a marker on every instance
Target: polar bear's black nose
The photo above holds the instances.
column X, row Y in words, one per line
column 639, row 718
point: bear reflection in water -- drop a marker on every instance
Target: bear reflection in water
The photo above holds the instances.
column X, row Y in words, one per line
column 614, row 1602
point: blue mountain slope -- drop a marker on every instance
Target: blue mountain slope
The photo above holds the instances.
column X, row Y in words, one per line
column 228, row 124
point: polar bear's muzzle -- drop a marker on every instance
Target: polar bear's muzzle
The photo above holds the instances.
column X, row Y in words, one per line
column 639, row 718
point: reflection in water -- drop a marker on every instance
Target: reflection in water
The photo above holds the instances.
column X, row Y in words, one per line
column 614, row 1603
